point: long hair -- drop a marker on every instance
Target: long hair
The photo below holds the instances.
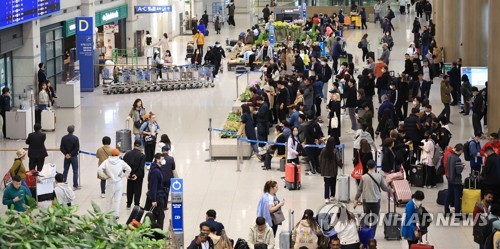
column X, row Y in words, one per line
column 309, row 217
column 364, row 146
column 137, row 102
column 329, row 148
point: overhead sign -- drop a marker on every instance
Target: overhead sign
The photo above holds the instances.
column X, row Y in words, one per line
column 13, row 12
column 304, row 7
column 144, row 9
column 85, row 51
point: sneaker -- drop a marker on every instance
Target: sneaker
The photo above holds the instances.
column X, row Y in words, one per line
column 103, row 195
column 332, row 199
column 128, row 207
column 327, row 201
column 309, row 173
column 77, row 188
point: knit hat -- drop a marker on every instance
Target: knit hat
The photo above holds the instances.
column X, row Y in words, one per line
column 20, row 153
column 115, row 152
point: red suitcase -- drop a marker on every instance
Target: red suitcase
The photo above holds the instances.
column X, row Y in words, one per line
column 402, row 191
column 292, row 176
column 421, row 246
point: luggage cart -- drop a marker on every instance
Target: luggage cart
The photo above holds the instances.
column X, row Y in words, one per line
column 45, row 191
column 208, row 76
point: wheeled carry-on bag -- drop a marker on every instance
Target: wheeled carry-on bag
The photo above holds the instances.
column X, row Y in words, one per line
column 292, row 176
column 286, row 236
column 402, row 191
column 124, row 139
column 417, row 175
column 392, row 223
column 48, row 120
column 343, row 180
column 136, row 214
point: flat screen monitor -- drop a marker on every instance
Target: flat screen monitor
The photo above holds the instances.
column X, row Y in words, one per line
column 477, row 75
column 14, row 12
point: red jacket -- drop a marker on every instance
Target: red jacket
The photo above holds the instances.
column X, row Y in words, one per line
column 447, row 152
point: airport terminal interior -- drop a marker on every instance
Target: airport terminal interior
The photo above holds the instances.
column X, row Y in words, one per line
column 218, row 184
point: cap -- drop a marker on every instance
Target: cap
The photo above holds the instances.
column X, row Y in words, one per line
column 20, row 153
column 115, row 152
column 137, row 143
column 165, row 148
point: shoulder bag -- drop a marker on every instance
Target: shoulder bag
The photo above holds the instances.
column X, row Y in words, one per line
column 277, row 216
column 149, row 139
column 357, row 172
column 105, row 172
column 334, row 121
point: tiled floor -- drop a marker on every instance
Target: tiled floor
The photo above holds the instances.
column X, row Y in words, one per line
column 184, row 115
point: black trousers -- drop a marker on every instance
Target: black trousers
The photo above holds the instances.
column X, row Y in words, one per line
column 266, row 19
column 317, row 103
column 456, row 93
column 216, row 69
column 36, row 161
column 158, row 211
column 372, row 212
column 430, row 176
column 365, row 52
column 134, row 191
column 330, row 185
column 200, row 49
column 476, row 122
column 446, row 111
column 428, row 15
column 4, row 124
column 402, row 10
column 262, row 130
column 313, row 155
column 230, row 21
column 363, row 24
column 281, row 113
column 149, row 151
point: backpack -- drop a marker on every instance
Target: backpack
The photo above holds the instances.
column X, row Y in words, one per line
column 360, row 45
column 241, row 244
column 483, row 229
column 424, row 218
column 149, row 40
column 305, row 234
column 467, row 151
column 438, row 154
column 338, row 158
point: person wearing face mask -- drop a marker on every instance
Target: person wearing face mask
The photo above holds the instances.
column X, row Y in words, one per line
column 454, row 169
column 411, row 229
column 427, row 117
column 294, row 147
column 155, row 198
column 219, row 54
column 262, row 118
column 114, row 170
column 136, row 160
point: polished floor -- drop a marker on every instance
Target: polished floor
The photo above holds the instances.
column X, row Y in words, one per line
column 184, row 115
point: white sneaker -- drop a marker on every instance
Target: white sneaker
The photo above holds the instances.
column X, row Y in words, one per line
column 332, row 199
column 327, row 201
column 103, row 195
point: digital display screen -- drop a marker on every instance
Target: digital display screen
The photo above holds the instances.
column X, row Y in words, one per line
column 477, row 75
column 13, row 12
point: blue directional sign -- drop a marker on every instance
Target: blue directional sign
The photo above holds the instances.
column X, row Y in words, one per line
column 271, row 28
column 144, row 9
column 85, row 51
column 304, row 7
column 271, row 40
column 177, row 189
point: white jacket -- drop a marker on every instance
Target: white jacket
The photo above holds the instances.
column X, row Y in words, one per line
column 64, row 193
column 113, row 169
column 347, row 232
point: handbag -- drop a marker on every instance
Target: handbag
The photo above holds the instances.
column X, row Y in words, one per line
column 7, row 178
column 334, row 121
column 357, row 172
column 278, row 217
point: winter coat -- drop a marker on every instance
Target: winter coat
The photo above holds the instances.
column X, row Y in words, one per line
column 446, row 90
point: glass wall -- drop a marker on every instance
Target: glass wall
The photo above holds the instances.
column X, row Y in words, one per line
column 6, row 72
column 52, row 51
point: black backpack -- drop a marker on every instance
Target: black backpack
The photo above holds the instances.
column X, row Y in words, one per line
column 424, row 218
column 483, row 229
column 467, row 151
column 241, row 244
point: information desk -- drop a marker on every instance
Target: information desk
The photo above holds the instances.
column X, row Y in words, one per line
column 68, row 95
column 19, row 123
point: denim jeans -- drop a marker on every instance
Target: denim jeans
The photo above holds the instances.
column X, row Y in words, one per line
column 74, row 164
column 103, row 186
column 352, row 117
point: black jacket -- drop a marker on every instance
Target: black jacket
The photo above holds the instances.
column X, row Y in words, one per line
column 491, row 170
column 403, row 93
column 298, row 65
column 313, row 131
column 383, row 81
column 193, row 244
column 167, row 170
column 70, row 145
column 416, row 27
column 218, row 54
column 136, row 160
column 36, row 142
column 263, row 113
column 413, row 128
column 326, row 73
column 5, row 104
column 350, row 96
column 217, row 226
column 408, row 67
column 389, row 160
column 479, row 104
column 454, row 74
column 42, row 78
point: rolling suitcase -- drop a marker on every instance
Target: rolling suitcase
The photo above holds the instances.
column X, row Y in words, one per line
column 48, row 120
column 417, row 175
column 344, row 186
column 282, row 164
column 377, row 154
column 402, row 191
column 469, row 199
column 285, row 239
column 392, row 223
column 136, row 214
column 124, row 139
column 472, row 181
column 292, row 176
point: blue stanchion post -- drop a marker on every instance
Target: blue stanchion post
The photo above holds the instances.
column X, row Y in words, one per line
column 210, row 129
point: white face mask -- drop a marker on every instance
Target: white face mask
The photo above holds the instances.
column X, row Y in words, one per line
column 295, row 133
column 414, row 102
column 163, row 162
column 427, row 113
column 383, row 70
column 418, row 203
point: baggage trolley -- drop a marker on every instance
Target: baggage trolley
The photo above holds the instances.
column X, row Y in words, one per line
column 140, row 76
column 45, row 191
column 182, row 77
column 172, row 80
column 209, row 79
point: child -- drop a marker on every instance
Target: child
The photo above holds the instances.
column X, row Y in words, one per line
column 63, row 192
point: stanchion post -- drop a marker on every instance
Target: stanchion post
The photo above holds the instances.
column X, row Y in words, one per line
column 248, row 77
column 79, row 172
column 237, row 87
column 210, row 159
column 238, row 154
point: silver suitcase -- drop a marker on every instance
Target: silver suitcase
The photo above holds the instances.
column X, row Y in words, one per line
column 343, row 180
column 48, row 120
column 286, row 236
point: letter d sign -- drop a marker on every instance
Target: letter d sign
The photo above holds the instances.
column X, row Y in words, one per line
column 84, row 26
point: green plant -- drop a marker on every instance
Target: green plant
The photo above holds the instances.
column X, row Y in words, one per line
column 60, row 227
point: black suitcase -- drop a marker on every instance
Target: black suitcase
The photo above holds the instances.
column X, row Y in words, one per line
column 124, row 140
column 417, row 175
column 136, row 214
column 441, row 198
column 233, row 42
column 392, row 223
column 472, row 182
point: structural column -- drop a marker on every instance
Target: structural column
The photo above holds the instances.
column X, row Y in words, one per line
column 451, row 32
column 437, row 18
column 88, row 9
column 132, row 20
column 25, row 61
column 475, row 33
column 493, row 66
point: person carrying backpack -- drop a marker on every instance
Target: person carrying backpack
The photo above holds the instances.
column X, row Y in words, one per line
column 475, row 158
